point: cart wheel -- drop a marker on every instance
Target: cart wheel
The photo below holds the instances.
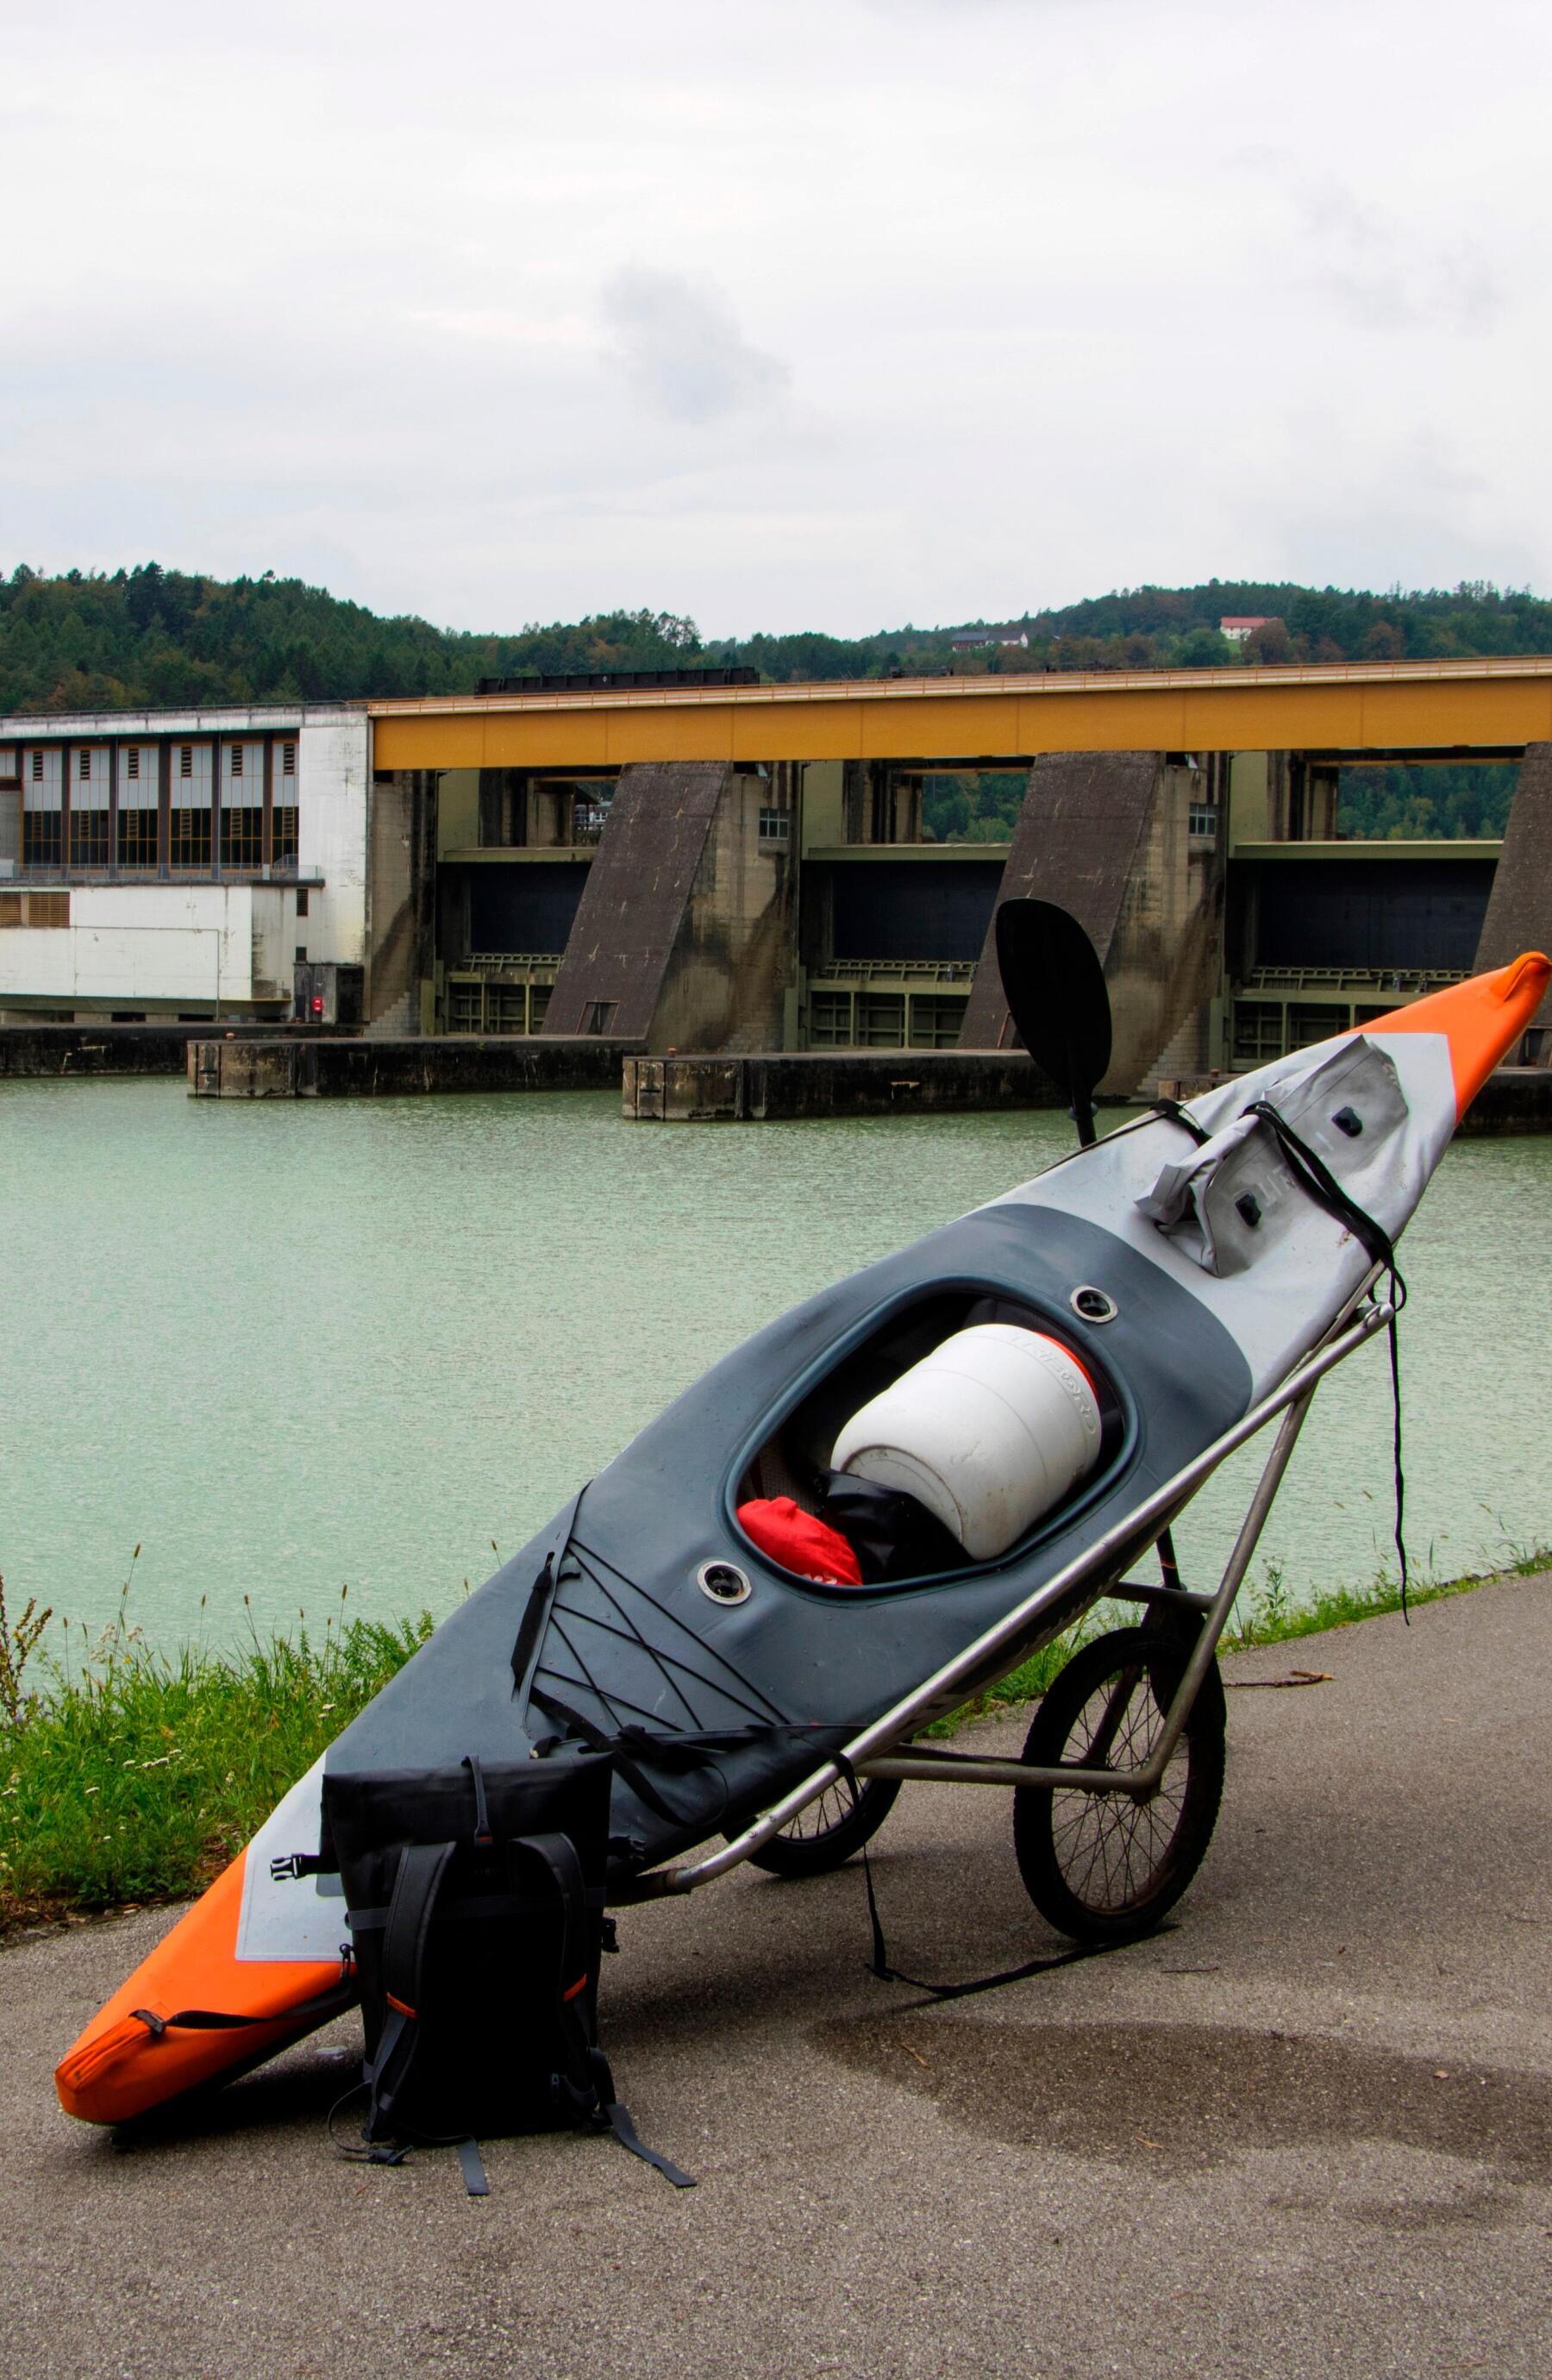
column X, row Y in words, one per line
column 1103, row 1867
column 826, row 1834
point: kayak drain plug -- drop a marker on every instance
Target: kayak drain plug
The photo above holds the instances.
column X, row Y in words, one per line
column 723, row 1582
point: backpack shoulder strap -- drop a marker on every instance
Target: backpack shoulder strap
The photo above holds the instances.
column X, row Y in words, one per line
column 591, row 2084
column 558, row 1853
column 420, row 1872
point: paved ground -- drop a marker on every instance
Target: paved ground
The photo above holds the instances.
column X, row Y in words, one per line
column 1308, row 2132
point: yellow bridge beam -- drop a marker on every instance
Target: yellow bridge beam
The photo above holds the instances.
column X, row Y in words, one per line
column 1371, row 706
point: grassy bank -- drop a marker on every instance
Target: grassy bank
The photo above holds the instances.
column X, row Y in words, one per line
column 128, row 1774
column 132, row 1776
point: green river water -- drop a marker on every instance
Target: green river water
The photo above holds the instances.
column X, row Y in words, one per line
column 285, row 1346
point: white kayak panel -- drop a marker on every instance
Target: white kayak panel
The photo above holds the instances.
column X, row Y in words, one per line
column 1306, row 1270
column 299, row 1917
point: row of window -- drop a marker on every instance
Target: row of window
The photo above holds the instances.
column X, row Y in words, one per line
column 192, row 840
column 496, row 1007
column 42, row 769
column 1265, row 1029
column 884, row 1020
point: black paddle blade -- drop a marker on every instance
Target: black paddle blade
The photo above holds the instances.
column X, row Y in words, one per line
column 1055, row 990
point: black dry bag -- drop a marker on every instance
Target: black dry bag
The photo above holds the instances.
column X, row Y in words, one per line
column 476, row 1907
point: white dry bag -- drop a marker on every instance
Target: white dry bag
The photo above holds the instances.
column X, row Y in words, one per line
column 990, row 1430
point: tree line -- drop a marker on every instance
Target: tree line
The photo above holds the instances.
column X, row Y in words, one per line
column 1382, row 803
column 161, row 637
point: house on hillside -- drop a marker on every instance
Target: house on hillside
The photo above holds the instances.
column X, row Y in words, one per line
column 1011, row 632
column 1237, row 626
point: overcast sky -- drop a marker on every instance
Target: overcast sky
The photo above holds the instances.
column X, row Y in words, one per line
column 784, row 313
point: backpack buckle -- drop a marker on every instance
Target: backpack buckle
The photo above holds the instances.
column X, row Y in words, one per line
column 295, row 1864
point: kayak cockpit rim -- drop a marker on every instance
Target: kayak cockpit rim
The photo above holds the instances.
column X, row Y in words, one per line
column 871, row 1754
column 965, row 1288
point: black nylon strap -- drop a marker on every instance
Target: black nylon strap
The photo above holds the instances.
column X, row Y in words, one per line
column 477, row 2181
column 1316, row 1178
column 595, row 1738
column 879, row 1964
column 536, row 1609
column 558, row 1853
column 625, row 2131
column 1176, row 1114
column 307, row 2012
column 534, row 1615
column 421, row 1870
column 591, row 2084
column 482, row 1833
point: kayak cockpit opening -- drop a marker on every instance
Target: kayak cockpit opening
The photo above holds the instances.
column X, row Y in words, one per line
column 951, row 1435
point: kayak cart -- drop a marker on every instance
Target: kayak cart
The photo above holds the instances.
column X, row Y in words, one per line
column 1117, row 1791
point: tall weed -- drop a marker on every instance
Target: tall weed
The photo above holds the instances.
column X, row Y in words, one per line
column 134, row 1775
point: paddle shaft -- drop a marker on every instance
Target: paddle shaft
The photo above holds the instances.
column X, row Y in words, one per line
column 1082, row 1098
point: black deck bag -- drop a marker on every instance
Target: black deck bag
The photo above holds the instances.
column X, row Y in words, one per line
column 476, row 1907
column 891, row 1533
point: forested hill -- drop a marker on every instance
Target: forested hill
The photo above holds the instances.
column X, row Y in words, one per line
column 161, row 636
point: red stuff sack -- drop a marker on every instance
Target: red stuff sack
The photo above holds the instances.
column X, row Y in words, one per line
column 800, row 1541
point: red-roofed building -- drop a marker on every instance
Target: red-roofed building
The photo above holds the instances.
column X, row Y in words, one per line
column 1013, row 632
column 1238, row 626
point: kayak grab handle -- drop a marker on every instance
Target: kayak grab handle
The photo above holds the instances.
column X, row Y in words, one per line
column 869, row 1752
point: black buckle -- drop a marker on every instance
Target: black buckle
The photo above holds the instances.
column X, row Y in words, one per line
column 295, row 1864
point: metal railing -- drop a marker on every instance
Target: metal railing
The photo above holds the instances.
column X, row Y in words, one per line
column 844, row 974
column 287, row 872
column 1358, row 980
column 494, row 963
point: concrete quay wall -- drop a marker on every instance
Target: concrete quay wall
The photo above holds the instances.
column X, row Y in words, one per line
column 42, row 1051
column 779, row 1085
column 296, row 1069
column 1515, row 1100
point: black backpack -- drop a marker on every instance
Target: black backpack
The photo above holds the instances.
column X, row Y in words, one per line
column 475, row 1898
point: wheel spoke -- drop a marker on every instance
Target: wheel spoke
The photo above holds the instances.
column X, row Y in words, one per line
column 1109, row 1847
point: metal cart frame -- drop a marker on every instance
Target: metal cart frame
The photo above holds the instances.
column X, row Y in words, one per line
column 884, row 1748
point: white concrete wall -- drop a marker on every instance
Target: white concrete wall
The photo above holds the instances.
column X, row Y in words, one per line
column 333, row 776
column 127, row 944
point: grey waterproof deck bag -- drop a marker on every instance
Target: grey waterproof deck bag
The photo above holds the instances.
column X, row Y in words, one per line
column 475, row 1897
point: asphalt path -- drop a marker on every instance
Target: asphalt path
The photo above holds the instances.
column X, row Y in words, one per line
column 1308, row 2130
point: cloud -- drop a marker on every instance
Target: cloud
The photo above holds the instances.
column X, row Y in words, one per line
column 936, row 311
column 1390, row 276
column 682, row 349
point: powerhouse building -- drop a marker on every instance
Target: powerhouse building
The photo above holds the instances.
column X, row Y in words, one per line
column 218, row 865
column 179, row 863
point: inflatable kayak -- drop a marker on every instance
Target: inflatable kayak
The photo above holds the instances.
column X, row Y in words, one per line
column 910, row 1478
